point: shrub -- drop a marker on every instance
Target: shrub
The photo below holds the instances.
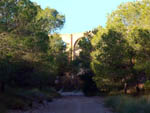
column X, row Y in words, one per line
column 50, row 93
column 126, row 104
column 147, row 85
column 3, row 108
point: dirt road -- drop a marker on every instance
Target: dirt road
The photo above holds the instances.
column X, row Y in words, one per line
column 73, row 104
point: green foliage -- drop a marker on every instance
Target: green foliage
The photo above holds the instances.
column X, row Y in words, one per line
column 3, row 108
column 111, row 58
column 130, row 14
column 89, row 86
column 50, row 20
column 29, row 57
column 83, row 62
column 139, row 40
column 147, row 85
column 124, row 104
column 50, row 93
column 86, row 47
column 25, row 17
column 57, row 51
column 121, row 50
column 22, row 99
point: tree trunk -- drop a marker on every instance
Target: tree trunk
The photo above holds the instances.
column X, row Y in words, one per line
column 137, row 88
column 2, row 87
column 125, row 88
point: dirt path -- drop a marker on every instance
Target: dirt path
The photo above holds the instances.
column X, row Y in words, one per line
column 72, row 104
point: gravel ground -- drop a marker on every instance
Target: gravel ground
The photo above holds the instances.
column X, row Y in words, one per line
column 71, row 104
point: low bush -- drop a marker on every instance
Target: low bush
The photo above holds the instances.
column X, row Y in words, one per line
column 22, row 99
column 147, row 85
column 3, row 108
column 89, row 87
column 50, row 93
column 126, row 104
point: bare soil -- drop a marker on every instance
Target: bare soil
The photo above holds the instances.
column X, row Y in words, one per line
column 71, row 104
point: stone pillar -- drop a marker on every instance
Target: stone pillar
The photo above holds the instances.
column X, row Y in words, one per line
column 71, row 47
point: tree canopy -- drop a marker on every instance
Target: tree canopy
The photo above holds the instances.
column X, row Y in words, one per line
column 121, row 49
column 28, row 49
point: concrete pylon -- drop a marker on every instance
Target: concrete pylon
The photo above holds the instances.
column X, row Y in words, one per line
column 70, row 40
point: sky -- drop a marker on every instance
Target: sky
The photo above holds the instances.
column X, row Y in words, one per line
column 82, row 15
